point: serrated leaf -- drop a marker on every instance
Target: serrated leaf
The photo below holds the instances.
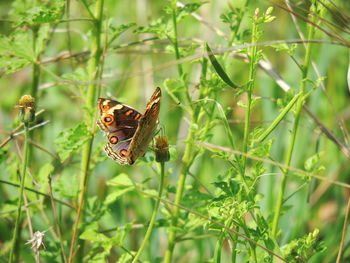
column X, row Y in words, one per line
column 67, row 186
column 114, row 196
column 118, row 30
column 187, row 10
column 18, row 45
column 313, row 163
column 13, row 64
column 43, row 36
column 122, row 184
column 92, row 235
column 193, row 197
column 43, row 175
column 160, row 28
column 71, row 140
column 37, row 15
column 122, row 180
column 219, row 70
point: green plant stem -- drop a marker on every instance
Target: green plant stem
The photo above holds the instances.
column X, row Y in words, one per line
column 299, row 105
column 154, row 214
column 36, row 66
column 20, row 201
column 187, row 157
column 92, row 92
column 250, row 87
column 186, row 162
column 175, row 43
column 174, row 39
column 279, row 118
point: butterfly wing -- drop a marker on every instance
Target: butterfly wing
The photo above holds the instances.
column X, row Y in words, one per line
column 146, row 128
column 119, row 123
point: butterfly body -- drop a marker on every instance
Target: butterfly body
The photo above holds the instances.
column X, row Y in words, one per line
column 128, row 131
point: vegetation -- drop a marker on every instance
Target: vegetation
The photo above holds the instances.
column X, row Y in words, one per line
column 254, row 117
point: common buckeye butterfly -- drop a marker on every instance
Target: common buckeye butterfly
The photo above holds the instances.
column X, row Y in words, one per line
column 128, row 131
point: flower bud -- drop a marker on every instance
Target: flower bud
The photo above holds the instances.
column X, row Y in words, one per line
column 162, row 149
column 27, row 109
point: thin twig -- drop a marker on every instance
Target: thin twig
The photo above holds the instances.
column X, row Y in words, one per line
column 55, row 217
column 15, row 131
column 282, row 166
column 344, row 232
column 38, row 192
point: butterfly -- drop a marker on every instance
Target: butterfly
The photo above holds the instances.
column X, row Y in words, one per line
column 128, row 132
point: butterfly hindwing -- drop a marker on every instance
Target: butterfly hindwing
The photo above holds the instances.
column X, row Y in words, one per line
column 128, row 132
column 119, row 123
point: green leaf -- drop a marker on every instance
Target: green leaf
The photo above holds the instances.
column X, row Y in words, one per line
column 92, row 235
column 18, row 45
column 71, row 140
column 121, row 180
column 118, row 30
column 219, row 70
column 40, row 14
column 187, row 10
column 43, row 175
column 43, row 36
column 67, row 186
column 283, row 47
column 194, row 197
column 161, row 28
column 125, row 258
column 3, row 154
column 123, row 184
column 304, row 247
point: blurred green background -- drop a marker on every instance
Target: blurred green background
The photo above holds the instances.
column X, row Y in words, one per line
column 134, row 64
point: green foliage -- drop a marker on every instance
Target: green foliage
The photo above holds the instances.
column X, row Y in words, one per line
column 231, row 192
column 303, row 248
column 70, row 140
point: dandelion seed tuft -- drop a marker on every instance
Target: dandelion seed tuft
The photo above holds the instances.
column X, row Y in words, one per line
column 37, row 241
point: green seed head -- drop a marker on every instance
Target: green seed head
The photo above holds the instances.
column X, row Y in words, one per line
column 27, row 109
column 162, row 149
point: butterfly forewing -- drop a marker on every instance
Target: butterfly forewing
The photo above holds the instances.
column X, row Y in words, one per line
column 128, row 132
column 146, row 128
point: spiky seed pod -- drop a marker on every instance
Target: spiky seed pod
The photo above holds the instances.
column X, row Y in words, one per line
column 26, row 105
column 162, row 149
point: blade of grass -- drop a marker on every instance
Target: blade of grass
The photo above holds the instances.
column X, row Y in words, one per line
column 218, row 68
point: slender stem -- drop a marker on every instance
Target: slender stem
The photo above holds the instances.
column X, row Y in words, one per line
column 92, row 92
column 154, row 214
column 36, row 66
column 55, row 217
column 279, row 118
column 174, row 40
column 339, row 257
column 186, row 163
column 251, row 83
column 186, row 160
column 179, row 192
column 299, row 106
column 19, row 206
